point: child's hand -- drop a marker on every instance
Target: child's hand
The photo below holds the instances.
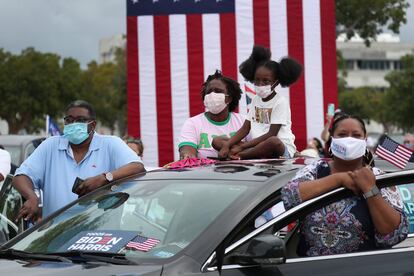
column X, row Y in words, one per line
column 224, row 152
column 234, row 157
column 235, row 150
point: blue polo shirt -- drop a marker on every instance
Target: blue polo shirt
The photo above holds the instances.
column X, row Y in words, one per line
column 52, row 167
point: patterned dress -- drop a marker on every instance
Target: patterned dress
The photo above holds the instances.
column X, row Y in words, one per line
column 343, row 226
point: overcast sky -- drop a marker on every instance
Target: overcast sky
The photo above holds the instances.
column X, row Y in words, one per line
column 407, row 31
column 73, row 28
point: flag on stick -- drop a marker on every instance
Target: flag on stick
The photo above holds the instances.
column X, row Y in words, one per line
column 393, row 152
column 52, row 128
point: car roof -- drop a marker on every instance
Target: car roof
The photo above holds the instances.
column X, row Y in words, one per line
column 259, row 170
column 16, row 140
column 249, row 171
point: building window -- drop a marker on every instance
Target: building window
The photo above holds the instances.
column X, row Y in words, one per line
column 350, row 64
column 397, row 65
column 373, row 64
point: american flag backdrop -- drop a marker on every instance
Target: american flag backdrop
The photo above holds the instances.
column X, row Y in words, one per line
column 172, row 45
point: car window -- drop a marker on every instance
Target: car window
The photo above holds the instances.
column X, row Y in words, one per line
column 286, row 225
column 30, row 147
column 407, row 195
column 10, row 203
column 172, row 214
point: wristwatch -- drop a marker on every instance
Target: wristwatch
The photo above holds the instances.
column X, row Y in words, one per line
column 109, row 176
column 373, row 192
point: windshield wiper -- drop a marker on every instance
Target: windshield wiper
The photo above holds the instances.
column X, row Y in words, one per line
column 81, row 256
column 35, row 256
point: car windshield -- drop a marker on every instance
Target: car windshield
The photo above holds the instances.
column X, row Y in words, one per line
column 147, row 219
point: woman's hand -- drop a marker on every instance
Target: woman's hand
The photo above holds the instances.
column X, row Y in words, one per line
column 328, row 117
column 364, row 179
column 345, row 180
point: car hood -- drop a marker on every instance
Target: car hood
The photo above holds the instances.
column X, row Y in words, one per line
column 44, row 268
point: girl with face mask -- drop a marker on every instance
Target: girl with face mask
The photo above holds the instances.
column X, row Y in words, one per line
column 268, row 120
column 371, row 219
column 220, row 96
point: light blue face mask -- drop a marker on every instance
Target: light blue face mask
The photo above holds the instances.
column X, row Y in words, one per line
column 76, row 133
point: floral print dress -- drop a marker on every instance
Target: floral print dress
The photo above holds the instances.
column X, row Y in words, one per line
column 343, row 226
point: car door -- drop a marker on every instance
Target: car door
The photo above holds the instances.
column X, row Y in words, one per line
column 396, row 260
column 10, row 203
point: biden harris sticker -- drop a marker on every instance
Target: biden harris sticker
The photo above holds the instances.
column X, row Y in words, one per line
column 99, row 241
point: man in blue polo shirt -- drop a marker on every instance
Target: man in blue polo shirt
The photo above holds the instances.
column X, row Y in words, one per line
column 80, row 152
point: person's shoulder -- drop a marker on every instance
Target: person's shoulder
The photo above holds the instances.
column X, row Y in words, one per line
column 279, row 98
column 107, row 138
column 52, row 141
column 197, row 117
column 196, row 120
column 4, row 152
column 316, row 165
column 238, row 116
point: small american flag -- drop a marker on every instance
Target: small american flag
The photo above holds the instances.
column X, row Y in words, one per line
column 393, row 152
column 142, row 243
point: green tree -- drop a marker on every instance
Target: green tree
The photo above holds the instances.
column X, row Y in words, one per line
column 104, row 86
column 98, row 89
column 120, row 84
column 368, row 18
column 70, row 82
column 399, row 97
column 28, row 88
column 369, row 103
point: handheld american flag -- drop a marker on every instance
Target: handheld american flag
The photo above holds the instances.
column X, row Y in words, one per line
column 393, row 152
column 173, row 45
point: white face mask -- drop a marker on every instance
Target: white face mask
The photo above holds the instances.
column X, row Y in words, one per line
column 215, row 102
column 348, row 148
column 263, row 91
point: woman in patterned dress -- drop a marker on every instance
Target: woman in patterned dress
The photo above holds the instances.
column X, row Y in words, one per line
column 369, row 220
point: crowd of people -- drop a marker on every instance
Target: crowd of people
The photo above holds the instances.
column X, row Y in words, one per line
column 370, row 219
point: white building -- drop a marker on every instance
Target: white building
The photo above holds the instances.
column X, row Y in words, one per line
column 108, row 46
column 367, row 66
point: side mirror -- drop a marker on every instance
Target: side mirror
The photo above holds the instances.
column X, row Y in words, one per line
column 263, row 250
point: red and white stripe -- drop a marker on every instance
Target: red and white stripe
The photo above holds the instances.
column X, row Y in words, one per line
column 143, row 246
column 169, row 58
column 398, row 158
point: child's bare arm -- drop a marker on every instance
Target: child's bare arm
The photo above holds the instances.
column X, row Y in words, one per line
column 240, row 134
column 273, row 131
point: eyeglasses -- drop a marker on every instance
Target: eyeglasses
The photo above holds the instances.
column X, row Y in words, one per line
column 70, row 120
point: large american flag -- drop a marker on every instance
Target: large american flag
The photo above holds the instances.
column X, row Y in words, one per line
column 393, row 152
column 173, row 45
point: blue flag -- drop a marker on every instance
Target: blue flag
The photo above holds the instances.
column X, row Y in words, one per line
column 52, row 127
